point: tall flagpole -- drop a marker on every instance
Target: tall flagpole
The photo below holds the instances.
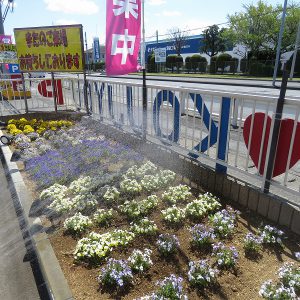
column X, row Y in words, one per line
column 144, row 74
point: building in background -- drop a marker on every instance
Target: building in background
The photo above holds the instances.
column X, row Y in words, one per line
column 96, row 55
column 192, row 46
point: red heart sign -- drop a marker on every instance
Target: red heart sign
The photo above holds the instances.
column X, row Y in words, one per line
column 284, row 142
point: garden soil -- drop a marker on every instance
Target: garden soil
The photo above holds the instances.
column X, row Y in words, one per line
column 242, row 283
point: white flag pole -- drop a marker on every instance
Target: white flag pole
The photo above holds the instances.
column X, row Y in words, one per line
column 144, row 73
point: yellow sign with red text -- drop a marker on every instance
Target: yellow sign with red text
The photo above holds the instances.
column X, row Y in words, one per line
column 50, row 49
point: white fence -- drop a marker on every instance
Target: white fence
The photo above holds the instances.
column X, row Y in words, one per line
column 226, row 131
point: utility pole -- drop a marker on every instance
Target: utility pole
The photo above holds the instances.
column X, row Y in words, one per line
column 1, row 19
column 279, row 42
column 297, row 45
column 87, row 53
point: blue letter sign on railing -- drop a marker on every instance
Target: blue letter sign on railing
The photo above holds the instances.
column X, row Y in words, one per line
column 223, row 134
column 211, row 139
column 100, row 96
column 173, row 100
column 170, row 97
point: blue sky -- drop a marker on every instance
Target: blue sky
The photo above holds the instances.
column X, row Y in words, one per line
column 160, row 15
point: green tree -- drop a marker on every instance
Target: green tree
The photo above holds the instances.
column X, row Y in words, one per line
column 253, row 27
column 258, row 27
column 171, row 61
column 198, row 62
column 213, row 41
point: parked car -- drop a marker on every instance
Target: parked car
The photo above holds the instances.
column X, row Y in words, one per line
column 37, row 75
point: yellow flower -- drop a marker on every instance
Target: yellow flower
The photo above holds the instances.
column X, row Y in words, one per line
column 16, row 131
column 41, row 130
column 12, row 121
column 11, row 127
column 28, row 129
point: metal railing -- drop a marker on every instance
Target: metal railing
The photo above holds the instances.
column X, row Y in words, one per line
column 229, row 132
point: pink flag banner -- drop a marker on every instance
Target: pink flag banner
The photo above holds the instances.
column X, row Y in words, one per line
column 123, row 36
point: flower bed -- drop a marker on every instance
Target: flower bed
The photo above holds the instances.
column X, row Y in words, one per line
column 122, row 227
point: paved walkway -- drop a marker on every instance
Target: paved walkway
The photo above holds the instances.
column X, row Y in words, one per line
column 17, row 281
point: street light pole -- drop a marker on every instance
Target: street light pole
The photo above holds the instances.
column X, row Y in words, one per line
column 279, row 42
column 1, row 19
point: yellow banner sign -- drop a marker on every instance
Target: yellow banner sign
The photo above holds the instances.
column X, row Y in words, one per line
column 50, row 49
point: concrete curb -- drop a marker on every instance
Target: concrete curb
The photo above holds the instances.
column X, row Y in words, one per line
column 54, row 278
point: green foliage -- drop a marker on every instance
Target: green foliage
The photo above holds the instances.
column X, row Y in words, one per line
column 188, row 64
column 213, row 41
column 151, row 63
column 198, row 62
column 257, row 27
column 223, row 61
column 98, row 66
column 174, row 60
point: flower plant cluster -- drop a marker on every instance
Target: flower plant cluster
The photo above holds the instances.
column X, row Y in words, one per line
column 170, row 288
column 271, row 235
column 103, row 216
column 202, row 206
column 223, row 222
column 73, row 151
column 117, row 274
column 180, row 193
column 150, row 183
column 95, row 247
column 226, row 256
column 137, row 173
column 136, row 209
column 78, row 223
column 130, row 186
column 252, row 244
column 201, row 275
column 25, row 126
column 287, row 286
column 54, row 192
column 167, row 244
column 173, row 215
column 140, row 261
column 144, row 227
column 112, row 195
column 202, row 236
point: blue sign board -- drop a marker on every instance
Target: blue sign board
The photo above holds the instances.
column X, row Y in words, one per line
column 192, row 45
column 14, row 68
column 96, row 51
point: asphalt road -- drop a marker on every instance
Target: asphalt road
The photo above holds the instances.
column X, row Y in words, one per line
column 245, row 86
column 17, row 281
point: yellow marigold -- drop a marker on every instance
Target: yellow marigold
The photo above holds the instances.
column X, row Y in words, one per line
column 41, row 130
column 16, row 131
column 12, row 121
column 23, row 120
column 53, row 128
column 11, row 127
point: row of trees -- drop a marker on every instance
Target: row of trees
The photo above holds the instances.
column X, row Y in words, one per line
column 257, row 28
column 219, row 64
column 197, row 63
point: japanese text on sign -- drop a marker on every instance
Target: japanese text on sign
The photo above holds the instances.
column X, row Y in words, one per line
column 50, row 48
column 123, row 36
